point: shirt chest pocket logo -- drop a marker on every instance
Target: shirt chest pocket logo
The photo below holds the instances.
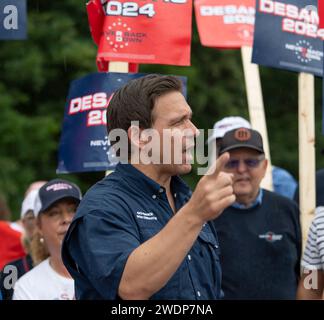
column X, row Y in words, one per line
column 146, row 216
column 148, row 224
column 271, row 236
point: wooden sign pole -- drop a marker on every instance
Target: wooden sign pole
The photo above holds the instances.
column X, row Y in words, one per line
column 116, row 66
column 306, row 128
column 256, row 108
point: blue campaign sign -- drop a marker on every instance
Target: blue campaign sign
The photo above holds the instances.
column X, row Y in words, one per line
column 84, row 144
column 286, row 36
column 13, row 20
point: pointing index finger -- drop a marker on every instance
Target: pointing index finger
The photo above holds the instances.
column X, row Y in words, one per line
column 218, row 165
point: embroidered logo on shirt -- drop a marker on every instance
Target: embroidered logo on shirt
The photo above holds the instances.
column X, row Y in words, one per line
column 271, row 236
column 145, row 215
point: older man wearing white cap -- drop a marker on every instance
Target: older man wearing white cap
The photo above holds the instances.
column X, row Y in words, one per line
column 283, row 182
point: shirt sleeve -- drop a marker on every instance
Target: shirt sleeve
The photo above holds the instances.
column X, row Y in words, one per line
column 100, row 245
column 311, row 257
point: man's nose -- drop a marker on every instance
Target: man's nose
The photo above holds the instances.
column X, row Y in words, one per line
column 194, row 129
column 241, row 166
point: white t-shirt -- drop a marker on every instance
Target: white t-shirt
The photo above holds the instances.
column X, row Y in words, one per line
column 43, row 283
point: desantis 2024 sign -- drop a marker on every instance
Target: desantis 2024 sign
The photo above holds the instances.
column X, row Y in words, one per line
column 287, row 36
column 153, row 31
column 84, row 144
column 225, row 23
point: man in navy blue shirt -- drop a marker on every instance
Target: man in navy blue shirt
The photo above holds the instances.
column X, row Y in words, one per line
column 139, row 233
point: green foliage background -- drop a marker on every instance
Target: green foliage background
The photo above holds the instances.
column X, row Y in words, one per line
column 34, row 80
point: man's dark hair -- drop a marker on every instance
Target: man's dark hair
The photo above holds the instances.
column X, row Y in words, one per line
column 135, row 101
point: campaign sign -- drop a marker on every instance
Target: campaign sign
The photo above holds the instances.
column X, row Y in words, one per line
column 321, row 13
column 287, row 36
column 96, row 18
column 154, row 31
column 13, row 20
column 84, row 144
column 225, row 23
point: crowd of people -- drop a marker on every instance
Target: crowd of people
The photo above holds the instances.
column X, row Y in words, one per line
column 141, row 233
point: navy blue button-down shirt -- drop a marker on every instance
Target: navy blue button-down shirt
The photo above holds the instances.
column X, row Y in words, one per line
column 117, row 215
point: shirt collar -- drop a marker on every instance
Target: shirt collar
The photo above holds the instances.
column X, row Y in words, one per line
column 146, row 184
column 257, row 201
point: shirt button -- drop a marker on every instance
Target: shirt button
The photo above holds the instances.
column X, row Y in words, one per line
column 216, row 246
column 198, row 294
column 161, row 190
column 189, row 257
column 175, row 195
column 154, row 196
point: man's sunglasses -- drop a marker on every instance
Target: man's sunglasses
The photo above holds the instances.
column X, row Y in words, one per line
column 250, row 163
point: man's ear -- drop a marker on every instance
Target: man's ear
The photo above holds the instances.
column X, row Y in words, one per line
column 265, row 166
column 137, row 137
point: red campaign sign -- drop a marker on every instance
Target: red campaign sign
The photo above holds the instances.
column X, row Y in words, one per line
column 96, row 18
column 321, row 13
column 155, row 32
column 225, row 23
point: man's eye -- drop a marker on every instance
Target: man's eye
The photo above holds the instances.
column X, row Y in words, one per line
column 230, row 164
column 252, row 162
column 178, row 122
